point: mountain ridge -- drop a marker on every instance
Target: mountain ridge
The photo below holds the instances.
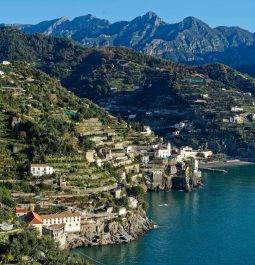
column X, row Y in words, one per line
column 190, row 41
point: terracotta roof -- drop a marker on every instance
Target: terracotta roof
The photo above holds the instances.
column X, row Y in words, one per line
column 39, row 165
column 21, row 210
column 59, row 215
column 33, row 218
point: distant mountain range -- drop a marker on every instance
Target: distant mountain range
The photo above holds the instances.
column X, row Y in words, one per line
column 190, row 41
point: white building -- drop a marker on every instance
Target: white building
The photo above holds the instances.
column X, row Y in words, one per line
column 132, row 202
column 72, row 221
column 236, row 119
column 236, row 109
column 38, row 170
column 147, row 130
column 164, row 151
column 57, row 232
column 145, row 159
column 21, row 212
column 129, row 149
column 6, row 63
column 188, row 152
column 1, row 73
column 122, row 211
column 179, row 125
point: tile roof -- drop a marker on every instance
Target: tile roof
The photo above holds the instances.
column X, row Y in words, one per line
column 33, row 218
column 21, row 210
column 39, row 165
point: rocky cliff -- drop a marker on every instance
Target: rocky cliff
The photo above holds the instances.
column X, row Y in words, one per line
column 121, row 230
column 177, row 176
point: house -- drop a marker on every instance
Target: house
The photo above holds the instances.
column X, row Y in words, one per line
column 225, row 120
column 176, row 133
column 21, row 212
column 117, row 193
column 1, row 73
column 147, row 130
column 39, row 170
column 129, row 149
column 33, row 219
column 90, row 156
column 122, row 211
column 188, row 152
column 6, row 63
column 57, row 232
column 145, row 159
column 72, row 221
column 236, row 109
column 236, row 119
column 164, row 151
column 179, row 125
column 132, row 202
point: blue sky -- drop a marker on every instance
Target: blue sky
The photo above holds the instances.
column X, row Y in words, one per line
column 214, row 12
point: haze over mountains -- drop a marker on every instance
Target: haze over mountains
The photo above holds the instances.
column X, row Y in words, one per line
column 190, row 41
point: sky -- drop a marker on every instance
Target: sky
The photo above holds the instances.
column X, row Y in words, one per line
column 213, row 12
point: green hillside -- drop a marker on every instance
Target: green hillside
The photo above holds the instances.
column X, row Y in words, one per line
column 126, row 82
column 38, row 119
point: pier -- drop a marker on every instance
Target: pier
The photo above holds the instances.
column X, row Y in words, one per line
column 214, row 170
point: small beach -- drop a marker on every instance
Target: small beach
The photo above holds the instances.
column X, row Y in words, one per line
column 220, row 164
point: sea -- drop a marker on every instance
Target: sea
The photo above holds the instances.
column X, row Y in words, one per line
column 214, row 225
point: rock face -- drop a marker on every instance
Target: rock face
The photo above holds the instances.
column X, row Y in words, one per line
column 175, row 177
column 118, row 231
column 190, row 41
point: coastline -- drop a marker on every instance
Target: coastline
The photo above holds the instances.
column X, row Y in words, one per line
column 221, row 164
column 121, row 231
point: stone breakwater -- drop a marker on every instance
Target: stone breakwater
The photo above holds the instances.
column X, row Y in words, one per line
column 118, row 231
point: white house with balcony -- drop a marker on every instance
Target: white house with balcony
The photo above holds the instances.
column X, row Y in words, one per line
column 39, row 170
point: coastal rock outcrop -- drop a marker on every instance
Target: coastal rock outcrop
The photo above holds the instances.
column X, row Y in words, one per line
column 120, row 230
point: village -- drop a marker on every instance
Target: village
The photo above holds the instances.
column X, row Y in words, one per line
column 94, row 195
column 92, row 206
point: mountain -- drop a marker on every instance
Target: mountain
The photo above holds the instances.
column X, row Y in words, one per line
column 190, row 41
column 157, row 92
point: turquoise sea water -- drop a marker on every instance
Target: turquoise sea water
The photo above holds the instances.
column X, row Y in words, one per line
column 211, row 226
